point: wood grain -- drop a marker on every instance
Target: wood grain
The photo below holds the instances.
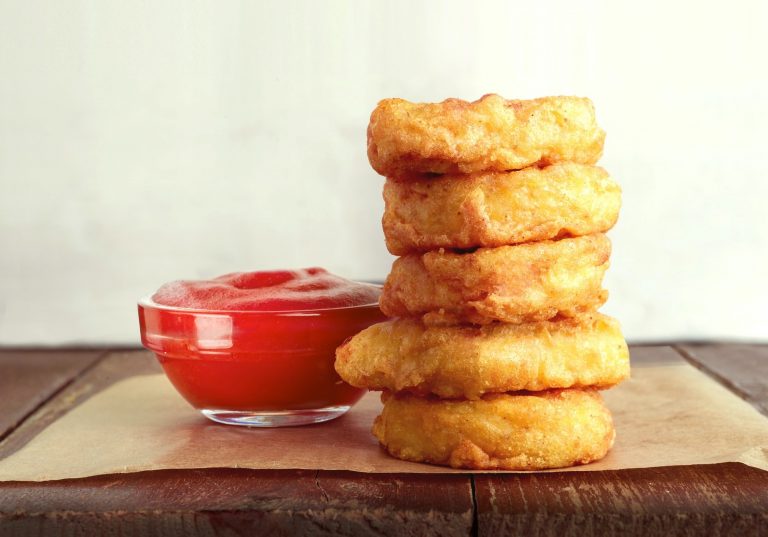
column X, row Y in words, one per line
column 108, row 369
column 716, row 500
column 240, row 502
column 28, row 378
column 724, row 499
column 743, row 369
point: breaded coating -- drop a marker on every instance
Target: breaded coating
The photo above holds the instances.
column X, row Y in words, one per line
column 524, row 431
column 498, row 208
column 524, row 283
column 492, row 133
column 470, row 361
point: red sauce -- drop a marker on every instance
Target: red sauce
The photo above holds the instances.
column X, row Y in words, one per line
column 258, row 341
column 278, row 290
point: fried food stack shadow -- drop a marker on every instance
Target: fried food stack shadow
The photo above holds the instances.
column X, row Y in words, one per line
column 496, row 350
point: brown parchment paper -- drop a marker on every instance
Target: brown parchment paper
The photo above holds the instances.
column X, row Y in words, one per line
column 668, row 414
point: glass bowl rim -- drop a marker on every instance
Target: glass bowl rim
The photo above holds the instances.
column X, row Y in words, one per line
column 147, row 303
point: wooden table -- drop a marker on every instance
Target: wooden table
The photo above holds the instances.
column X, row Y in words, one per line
column 38, row 386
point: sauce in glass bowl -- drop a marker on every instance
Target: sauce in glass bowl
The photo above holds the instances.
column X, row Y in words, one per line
column 258, row 348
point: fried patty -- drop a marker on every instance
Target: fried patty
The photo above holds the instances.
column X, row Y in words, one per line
column 528, row 282
column 492, row 133
column 470, row 361
column 525, row 431
column 498, row 208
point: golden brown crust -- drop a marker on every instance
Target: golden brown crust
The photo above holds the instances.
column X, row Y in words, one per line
column 525, row 431
column 527, row 282
column 492, row 133
column 471, row 361
column 498, row 208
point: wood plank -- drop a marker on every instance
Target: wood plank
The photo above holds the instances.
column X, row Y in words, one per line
column 240, row 502
column 725, row 499
column 653, row 355
column 743, row 369
column 405, row 504
column 28, row 378
column 716, row 500
column 107, row 369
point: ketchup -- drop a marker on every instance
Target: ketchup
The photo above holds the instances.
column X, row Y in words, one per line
column 278, row 290
column 258, row 341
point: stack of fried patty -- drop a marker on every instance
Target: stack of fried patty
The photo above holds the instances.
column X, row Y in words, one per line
column 495, row 351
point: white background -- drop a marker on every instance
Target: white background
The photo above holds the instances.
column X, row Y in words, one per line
column 142, row 142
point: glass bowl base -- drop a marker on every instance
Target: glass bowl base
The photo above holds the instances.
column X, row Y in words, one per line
column 286, row 418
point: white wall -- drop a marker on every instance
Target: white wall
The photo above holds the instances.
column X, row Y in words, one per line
column 147, row 141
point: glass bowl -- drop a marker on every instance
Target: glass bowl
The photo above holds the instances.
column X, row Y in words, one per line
column 256, row 368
